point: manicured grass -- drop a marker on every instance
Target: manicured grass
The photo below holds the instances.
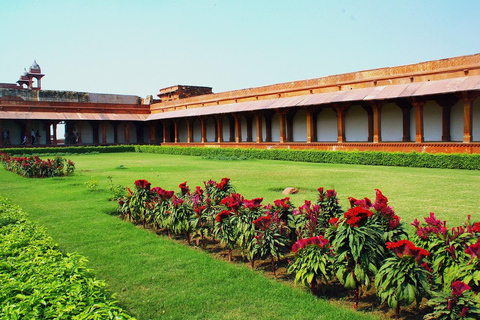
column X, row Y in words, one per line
column 156, row 278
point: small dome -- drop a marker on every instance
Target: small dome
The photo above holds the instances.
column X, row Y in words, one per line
column 24, row 75
column 35, row 68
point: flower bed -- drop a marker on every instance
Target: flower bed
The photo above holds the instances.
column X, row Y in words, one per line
column 34, row 167
column 37, row 281
column 364, row 246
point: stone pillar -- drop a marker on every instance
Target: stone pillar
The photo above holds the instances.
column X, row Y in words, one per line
column 419, row 129
column 219, row 119
column 203, row 130
column 54, row 127
column 311, row 123
column 467, row 117
column 370, row 130
column 249, row 128
column 377, row 122
column 282, row 125
column 341, row 123
column 166, row 131
column 126, row 132
column 258, row 120
column 104, row 132
column 289, row 125
column 176, row 138
column 189, row 130
column 238, row 128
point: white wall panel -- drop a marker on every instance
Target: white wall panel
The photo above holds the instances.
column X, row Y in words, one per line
column 391, row 122
column 327, row 126
column 300, row 126
column 356, row 124
column 432, row 121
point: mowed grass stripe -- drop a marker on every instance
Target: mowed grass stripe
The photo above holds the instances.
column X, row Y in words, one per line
column 156, row 278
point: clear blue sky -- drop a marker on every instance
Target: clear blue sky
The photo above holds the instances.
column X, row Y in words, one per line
column 138, row 47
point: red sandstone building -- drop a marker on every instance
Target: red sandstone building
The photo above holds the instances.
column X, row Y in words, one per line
column 431, row 106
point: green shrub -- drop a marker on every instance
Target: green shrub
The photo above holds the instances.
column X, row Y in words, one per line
column 39, row 282
column 375, row 158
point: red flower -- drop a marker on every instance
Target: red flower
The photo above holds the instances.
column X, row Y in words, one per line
column 199, row 210
column 381, row 201
column 333, row 221
column 364, row 203
column 222, row 215
column 233, row 201
column 263, row 223
column 407, row 248
column 284, row 203
column 320, row 190
column 176, row 201
column 357, row 215
column 222, row 184
column 427, row 267
column 198, row 191
column 474, row 250
column 476, row 227
column 318, row 241
column 459, row 287
column 183, row 187
column 142, row 184
column 331, row 193
column 252, row 204
column 394, row 222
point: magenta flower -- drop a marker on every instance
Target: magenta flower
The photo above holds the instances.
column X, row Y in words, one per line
column 142, row 184
column 252, row 204
column 459, row 287
column 263, row 223
column 407, row 248
column 222, row 215
column 318, row 241
column 474, row 250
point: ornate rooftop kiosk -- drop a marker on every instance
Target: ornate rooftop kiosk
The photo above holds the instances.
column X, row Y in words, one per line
column 427, row 107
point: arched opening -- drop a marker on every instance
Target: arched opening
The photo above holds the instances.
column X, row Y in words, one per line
column 456, row 122
column 197, row 130
column 356, row 124
column 275, row 128
column 327, row 125
column 210, row 129
column 391, row 122
column 432, row 121
column 299, row 123
column 182, row 131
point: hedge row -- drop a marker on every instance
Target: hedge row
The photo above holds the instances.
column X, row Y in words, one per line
column 39, row 282
column 376, row 158
column 70, row 150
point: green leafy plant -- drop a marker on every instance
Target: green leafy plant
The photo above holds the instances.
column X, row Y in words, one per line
column 247, row 213
column 456, row 304
column 313, row 261
column 403, row 279
column 272, row 237
column 117, row 190
column 359, row 249
column 92, row 184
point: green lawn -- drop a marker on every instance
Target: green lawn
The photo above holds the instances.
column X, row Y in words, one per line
column 156, row 278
